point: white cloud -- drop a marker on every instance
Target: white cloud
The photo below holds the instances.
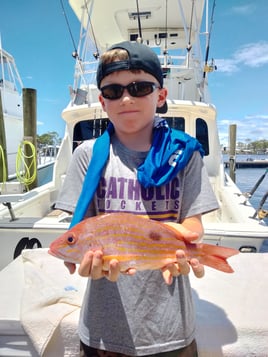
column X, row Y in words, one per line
column 251, row 55
column 49, row 100
column 253, row 127
column 243, row 9
column 257, row 116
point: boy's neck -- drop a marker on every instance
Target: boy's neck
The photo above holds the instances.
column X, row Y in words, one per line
column 136, row 141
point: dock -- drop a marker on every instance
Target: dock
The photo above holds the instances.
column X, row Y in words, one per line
column 254, row 164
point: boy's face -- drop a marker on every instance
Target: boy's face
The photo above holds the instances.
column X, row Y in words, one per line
column 132, row 114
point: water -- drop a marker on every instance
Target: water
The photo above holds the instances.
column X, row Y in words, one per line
column 246, row 180
column 45, row 175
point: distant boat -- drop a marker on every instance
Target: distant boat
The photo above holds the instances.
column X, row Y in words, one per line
column 12, row 131
column 11, row 94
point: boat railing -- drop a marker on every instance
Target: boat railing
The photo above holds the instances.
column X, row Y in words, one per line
column 85, row 71
column 7, row 85
column 47, row 154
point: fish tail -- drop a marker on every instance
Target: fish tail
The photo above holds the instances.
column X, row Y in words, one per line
column 216, row 257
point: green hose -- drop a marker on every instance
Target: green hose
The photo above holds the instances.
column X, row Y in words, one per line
column 26, row 169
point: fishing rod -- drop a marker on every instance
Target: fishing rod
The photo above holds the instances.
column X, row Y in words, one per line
column 75, row 53
column 206, row 67
column 140, row 39
column 250, row 193
column 260, row 212
column 96, row 54
column 258, row 183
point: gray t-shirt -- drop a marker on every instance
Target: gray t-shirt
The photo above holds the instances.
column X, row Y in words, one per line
column 140, row 314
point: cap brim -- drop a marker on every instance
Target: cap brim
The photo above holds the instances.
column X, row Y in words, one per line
column 163, row 109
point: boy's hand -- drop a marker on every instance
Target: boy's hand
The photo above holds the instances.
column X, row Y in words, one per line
column 92, row 266
column 182, row 267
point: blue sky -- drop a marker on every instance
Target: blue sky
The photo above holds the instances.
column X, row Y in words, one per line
column 36, row 34
column 239, row 87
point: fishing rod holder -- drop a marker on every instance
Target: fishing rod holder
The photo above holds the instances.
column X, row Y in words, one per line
column 10, row 209
column 7, row 200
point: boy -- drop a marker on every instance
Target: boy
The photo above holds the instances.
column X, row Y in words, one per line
column 143, row 168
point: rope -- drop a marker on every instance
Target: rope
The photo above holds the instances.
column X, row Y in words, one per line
column 26, row 165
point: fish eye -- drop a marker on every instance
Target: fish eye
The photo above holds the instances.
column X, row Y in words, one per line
column 70, row 239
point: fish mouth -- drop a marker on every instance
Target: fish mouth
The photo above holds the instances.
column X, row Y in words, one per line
column 52, row 253
column 59, row 256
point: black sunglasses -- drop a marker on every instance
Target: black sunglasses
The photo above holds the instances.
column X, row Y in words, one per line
column 135, row 89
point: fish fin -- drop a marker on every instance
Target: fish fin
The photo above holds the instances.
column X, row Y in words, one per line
column 223, row 252
column 216, row 257
column 217, row 263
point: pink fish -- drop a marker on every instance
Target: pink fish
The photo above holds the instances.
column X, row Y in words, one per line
column 136, row 242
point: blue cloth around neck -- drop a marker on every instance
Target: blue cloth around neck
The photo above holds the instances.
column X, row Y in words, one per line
column 170, row 152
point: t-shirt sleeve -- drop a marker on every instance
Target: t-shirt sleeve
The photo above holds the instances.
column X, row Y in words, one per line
column 198, row 196
column 75, row 175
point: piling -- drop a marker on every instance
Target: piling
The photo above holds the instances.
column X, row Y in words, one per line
column 29, row 129
column 232, row 146
column 3, row 145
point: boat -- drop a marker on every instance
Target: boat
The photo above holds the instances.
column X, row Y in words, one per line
column 178, row 41
column 17, row 153
column 174, row 28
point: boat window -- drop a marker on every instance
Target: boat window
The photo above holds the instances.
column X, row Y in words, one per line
column 88, row 129
column 177, row 123
column 202, row 134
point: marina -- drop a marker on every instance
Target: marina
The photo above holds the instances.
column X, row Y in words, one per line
column 48, row 328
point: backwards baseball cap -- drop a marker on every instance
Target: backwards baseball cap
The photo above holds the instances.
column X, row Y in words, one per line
column 139, row 57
